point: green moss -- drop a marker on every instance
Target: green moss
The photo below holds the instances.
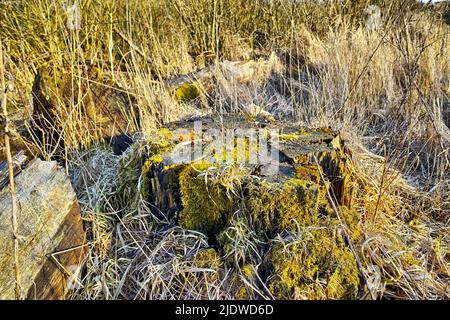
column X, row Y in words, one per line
column 166, row 133
column 186, row 92
column 239, row 153
column 205, row 205
column 308, row 172
column 238, row 287
column 288, row 137
column 155, row 159
column 316, row 266
column 207, row 258
column 160, row 141
column 313, row 262
column 242, row 294
column 248, row 271
column 352, row 220
column 146, row 169
column 277, row 207
column 239, row 282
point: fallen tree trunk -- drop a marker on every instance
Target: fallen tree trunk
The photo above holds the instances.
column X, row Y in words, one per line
column 50, row 231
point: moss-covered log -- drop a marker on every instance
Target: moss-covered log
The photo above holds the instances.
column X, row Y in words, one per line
column 169, row 184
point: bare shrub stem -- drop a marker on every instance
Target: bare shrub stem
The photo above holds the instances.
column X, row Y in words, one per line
column 12, row 189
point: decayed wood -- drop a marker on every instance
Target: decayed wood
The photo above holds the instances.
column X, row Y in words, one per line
column 107, row 111
column 239, row 71
column 49, row 222
column 299, row 150
column 19, row 161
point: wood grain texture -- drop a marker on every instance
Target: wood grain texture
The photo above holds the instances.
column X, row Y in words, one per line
column 49, row 221
column 19, row 162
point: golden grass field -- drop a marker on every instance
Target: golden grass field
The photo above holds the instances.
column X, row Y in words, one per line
column 386, row 90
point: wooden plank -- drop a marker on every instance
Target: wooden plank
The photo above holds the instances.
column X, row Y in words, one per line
column 59, row 272
column 49, row 221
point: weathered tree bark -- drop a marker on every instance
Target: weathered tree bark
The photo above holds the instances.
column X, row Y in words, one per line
column 50, row 229
column 19, row 161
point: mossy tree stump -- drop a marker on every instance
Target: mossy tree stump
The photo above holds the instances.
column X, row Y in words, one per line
column 198, row 195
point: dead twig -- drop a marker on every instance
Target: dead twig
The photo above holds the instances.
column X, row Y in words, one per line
column 18, row 289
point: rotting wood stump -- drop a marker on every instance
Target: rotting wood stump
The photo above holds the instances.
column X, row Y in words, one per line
column 290, row 153
column 50, row 229
column 281, row 196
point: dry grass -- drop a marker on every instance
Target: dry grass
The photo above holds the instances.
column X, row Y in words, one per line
column 387, row 90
